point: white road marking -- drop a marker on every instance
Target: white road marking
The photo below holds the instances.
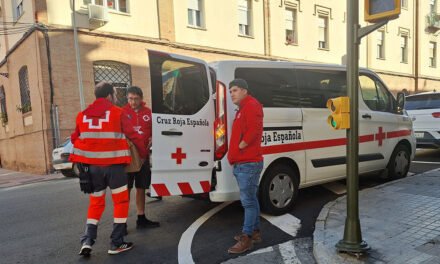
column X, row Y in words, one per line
column 287, row 223
column 263, row 250
column 184, row 255
column 288, row 253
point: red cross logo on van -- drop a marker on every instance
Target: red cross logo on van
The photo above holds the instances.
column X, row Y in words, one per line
column 178, row 156
column 380, row 136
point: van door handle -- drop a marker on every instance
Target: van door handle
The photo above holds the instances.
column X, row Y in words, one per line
column 366, row 116
column 172, row 133
column 203, row 164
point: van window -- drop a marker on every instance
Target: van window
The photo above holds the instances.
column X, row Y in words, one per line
column 317, row 86
column 422, row 101
column 182, row 89
column 271, row 87
column 375, row 94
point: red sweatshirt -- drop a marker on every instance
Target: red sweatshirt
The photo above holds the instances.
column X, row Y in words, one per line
column 97, row 110
column 247, row 126
column 141, row 122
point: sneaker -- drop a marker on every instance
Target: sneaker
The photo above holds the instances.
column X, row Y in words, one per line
column 256, row 237
column 85, row 250
column 145, row 223
column 121, row 248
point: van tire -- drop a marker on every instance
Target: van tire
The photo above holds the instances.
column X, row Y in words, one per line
column 284, row 179
column 398, row 166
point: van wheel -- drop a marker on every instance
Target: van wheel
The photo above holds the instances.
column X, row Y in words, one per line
column 398, row 165
column 278, row 190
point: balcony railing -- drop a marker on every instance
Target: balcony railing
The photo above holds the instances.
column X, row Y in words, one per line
column 433, row 20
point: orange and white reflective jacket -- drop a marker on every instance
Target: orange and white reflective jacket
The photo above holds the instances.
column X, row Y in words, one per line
column 101, row 141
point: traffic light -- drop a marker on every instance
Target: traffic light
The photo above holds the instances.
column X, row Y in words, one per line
column 340, row 112
column 378, row 10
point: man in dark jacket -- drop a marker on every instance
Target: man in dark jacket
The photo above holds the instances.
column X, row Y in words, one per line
column 245, row 155
column 140, row 119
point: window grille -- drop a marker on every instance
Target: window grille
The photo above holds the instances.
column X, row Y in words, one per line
column 116, row 73
column 24, row 90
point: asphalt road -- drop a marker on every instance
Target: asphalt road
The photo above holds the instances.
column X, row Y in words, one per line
column 42, row 223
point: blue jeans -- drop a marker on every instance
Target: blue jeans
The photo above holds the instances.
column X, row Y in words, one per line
column 248, row 175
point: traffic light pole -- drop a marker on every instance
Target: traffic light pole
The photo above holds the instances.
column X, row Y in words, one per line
column 352, row 241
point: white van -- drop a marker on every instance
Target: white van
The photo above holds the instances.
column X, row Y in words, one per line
column 193, row 115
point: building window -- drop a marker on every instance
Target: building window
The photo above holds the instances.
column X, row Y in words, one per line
column 323, row 32
column 195, row 15
column 3, row 111
column 291, row 26
column 432, row 6
column 381, row 45
column 116, row 73
column 244, row 17
column 25, row 93
column 118, row 5
column 18, row 9
column 404, row 49
column 432, row 54
column 404, row 4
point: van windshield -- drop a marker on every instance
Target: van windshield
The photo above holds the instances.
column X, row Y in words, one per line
column 422, row 101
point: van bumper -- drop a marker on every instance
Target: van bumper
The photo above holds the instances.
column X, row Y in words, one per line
column 216, row 196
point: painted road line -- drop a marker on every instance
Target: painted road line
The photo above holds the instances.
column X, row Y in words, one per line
column 260, row 251
column 287, row 251
column 184, row 255
column 287, row 223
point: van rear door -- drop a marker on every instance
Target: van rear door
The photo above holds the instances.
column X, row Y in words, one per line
column 183, row 114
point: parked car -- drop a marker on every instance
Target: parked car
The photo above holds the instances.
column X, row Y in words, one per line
column 60, row 157
column 424, row 108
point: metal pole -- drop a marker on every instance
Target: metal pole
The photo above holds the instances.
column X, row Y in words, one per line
column 352, row 241
column 78, row 59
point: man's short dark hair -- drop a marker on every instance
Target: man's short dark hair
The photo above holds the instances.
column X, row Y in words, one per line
column 135, row 90
column 103, row 89
column 239, row 83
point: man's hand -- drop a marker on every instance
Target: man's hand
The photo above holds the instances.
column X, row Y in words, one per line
column 242, row 145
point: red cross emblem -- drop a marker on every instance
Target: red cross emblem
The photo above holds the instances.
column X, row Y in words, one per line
column 380, row 136
column 178, row 156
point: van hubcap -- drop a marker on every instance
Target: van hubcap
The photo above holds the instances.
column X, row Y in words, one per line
column 281, row 190
column 401, row 163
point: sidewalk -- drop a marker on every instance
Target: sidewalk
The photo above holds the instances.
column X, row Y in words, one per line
column 9, row 178
column 400, row 221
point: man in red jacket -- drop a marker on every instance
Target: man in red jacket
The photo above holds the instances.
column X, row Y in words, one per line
column 246, row 156
column 140, row 119
column 99, row 142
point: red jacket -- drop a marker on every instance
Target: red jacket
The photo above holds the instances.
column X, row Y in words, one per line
column 100, row 130
column 141, row 122
column 247, row 126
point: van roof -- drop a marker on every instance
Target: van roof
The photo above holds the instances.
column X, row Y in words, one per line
column 225, row 63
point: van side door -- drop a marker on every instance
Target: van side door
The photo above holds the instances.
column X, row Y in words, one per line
column 183, row 115
column 325, row 147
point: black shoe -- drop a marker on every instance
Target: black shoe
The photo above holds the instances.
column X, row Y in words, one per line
column 85, row 250
column 121, row 248
column 145, row 223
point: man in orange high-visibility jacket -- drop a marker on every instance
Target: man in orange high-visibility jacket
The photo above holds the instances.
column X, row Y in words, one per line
column 100, row 141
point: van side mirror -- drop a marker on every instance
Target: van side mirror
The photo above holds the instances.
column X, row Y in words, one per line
column 400, row 102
